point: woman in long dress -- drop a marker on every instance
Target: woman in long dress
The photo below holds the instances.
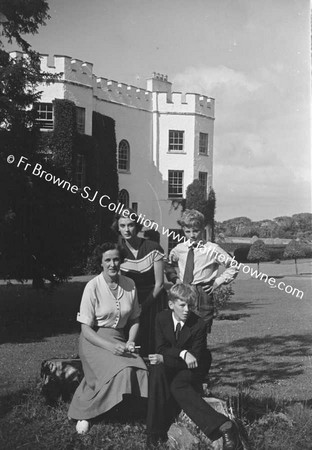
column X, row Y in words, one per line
column 110, row 365
column 144, row 264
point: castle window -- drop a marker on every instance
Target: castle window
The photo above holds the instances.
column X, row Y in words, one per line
column 124, row 156
column 176, row 138
column 80, row 171
column 81, row 119
column 203, row 178
column 175, row 184
column 44, row 115
column 124, row 198
column 203, row 143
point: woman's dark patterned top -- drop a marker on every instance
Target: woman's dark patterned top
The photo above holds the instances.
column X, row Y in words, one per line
column 141, row 268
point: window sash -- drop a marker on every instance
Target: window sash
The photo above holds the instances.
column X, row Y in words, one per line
column 124, row 198
column 45, row 116
column 203, row 178
column 176, row 140
column 203, row 143
column 81, row 119
column 175, row 184
column 124, row 156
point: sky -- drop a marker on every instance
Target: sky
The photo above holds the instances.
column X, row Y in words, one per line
column 252, row 56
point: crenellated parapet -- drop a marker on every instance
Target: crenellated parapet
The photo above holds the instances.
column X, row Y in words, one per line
column 113, row 91
column 185, row 103
column 73, row 70
column 158, row 97
column 81, row 74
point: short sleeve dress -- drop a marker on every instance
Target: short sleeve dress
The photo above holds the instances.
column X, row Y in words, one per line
column 141, row 270
column 107, row 377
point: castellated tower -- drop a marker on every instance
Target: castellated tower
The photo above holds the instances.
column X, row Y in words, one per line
column 164, row 138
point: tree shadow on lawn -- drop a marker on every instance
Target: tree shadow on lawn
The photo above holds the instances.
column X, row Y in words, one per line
column 260, row 360
column 230, row 310
column 28, row 315
column 240, row 306
column 251, row 408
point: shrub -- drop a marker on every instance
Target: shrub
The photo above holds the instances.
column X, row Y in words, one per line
column 222, row 296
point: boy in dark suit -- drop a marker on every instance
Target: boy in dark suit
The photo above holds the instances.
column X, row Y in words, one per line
column 177, row 370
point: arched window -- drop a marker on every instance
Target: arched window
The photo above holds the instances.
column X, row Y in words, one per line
column 124, row 155
column 124, row 198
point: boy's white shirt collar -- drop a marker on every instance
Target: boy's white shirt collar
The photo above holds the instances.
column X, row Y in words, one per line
column 175, row 322
column 195, row 245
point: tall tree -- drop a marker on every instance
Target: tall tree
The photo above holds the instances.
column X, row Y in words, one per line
column 294, row 250
column 42, row 227
column 303, row 222
column 20, row 76
column 196, row 198
column 235, row 227
column 209, row 212
column 258, row 252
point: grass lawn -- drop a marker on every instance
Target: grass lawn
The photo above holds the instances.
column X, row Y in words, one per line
column 262, row 362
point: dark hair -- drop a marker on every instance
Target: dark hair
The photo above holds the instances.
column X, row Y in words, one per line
column 105, row 247
column 134, row 216
column 152, row 235
column 183, row 292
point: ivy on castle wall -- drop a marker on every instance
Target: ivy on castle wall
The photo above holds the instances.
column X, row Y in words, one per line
column 60, row 141
column 45, row 229
column 102, row 166
column 100, row 152
column 63, row 134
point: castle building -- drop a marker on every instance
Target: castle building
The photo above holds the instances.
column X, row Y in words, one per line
column 164, row 138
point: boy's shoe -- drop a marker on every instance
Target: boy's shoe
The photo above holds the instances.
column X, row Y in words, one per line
column 82, row 426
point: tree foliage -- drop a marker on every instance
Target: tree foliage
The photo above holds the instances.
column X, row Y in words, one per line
column 20, row 75
column 196, row 198
column 284, row 227
column 210, row 212
column 294, row 250
column 258, row 252
column 43, row 230
column 42, row 227
column 20, row 17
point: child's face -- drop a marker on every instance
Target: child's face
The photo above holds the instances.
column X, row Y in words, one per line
column 193, row 234
column 180, row 309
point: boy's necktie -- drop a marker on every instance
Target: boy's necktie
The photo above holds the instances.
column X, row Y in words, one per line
column 177, row 331
column 189, row 267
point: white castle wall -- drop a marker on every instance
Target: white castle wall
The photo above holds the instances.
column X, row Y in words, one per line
column 204, row 163
column 185, row 103
column 144, row 119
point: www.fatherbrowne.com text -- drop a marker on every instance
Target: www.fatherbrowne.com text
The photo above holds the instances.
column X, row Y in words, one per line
column 103, row 200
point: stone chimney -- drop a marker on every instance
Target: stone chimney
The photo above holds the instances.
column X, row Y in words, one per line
column 159, row 83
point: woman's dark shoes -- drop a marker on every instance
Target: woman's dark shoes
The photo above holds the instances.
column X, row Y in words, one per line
column 230, row 437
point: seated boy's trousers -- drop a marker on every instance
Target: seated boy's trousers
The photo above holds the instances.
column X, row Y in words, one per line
column 171, row 390
column 204, row 305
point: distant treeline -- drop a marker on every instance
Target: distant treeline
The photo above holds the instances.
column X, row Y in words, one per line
column 298, row 226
